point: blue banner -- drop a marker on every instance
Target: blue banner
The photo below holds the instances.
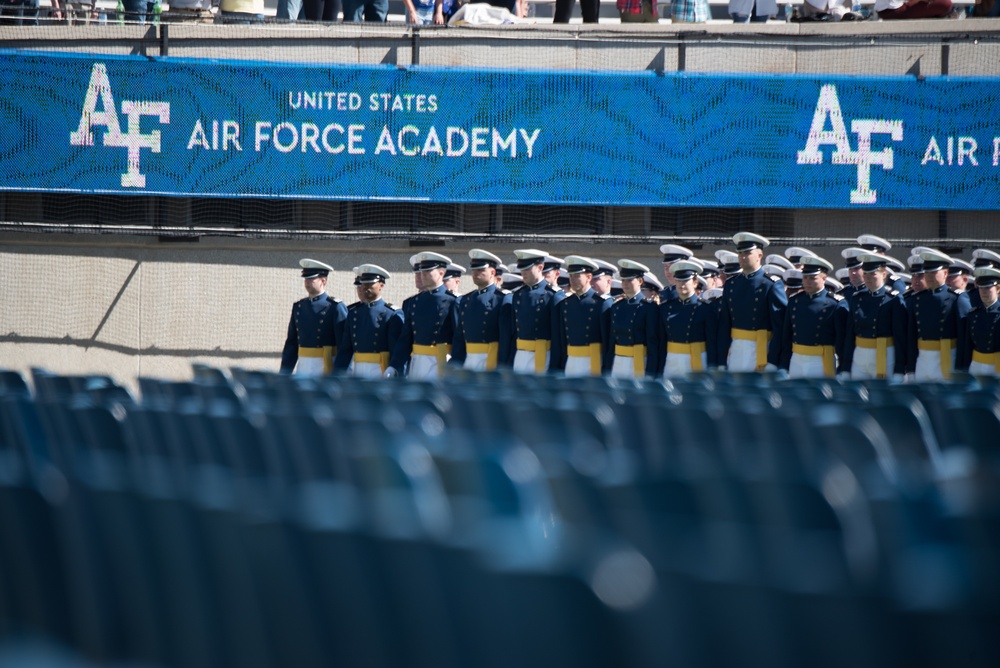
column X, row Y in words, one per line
column 73, row 123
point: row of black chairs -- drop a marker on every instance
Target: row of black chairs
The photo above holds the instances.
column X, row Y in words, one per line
column 254, row 519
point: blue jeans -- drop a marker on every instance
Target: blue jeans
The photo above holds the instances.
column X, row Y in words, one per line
column 365, row 10
column 289, row 8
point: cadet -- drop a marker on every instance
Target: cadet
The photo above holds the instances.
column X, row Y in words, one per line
column 752, row 311
column 534, row 314
column 852, row 262
column 815, row 326
column 550, row 271
column 485, row 320
column 453, row 278
column 603, row 277
column 671, row 253
column 316, row 325
column 979, row 340
column 372, row 328
column 429, row 322
column 711, row 273
column 982, row 257
column 685, row 332
column 583, row 324
column 796, row 253
column 729, row 263
column 651, row 287
column 792, row 278
column 632, row 316
column 876, row 336
column 916, row 266
column 880, row 246
column 936, row 315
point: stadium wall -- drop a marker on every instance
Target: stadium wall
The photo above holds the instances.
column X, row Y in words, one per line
column 125, row 304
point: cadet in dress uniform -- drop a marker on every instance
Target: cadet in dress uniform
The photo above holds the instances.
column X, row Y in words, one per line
column 429, row 322
column 582, row 333
column 982, row 257
column 792, row 278
column 651, row 287
column 752, row 311
column 372, row 328
column 316, row 325
column 852, row 262
column 796, row 253
column 603, row 277
column 936, row 316
column 729, row 263
column 632, row 317
column 534, row 314
column 453, row 279
column 779, row 261
column 671, row 253
column 815, row 326
column 916, row 266
column 485, row 320
column 712, row 273
column 876, row 335
column 979, row 340
column 550, row 272
column 880, row 246
column 684, row 337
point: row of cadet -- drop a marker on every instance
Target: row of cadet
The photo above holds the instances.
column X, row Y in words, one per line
column 743, row 313
column 495, row 520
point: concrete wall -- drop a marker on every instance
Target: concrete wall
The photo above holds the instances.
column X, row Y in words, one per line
column 130, row 306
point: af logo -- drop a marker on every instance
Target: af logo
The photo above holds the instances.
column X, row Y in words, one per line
column 133, row 140
column 828, row 107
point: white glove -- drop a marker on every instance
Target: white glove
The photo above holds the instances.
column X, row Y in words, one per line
column 770, row 367
column 390, row 372
column 897, row 379
column 844, row 375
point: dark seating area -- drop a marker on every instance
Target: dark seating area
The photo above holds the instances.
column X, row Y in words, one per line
column 251, row 519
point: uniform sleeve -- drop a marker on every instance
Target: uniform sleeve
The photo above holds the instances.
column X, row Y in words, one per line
column 557, row 359
column 724, row 330
column 394, row 329
column 404, row 345
column 505, row 339
column 911, row 342
column 339, row 324
column 660, row 357
column 963, row 354
column 607, row 341
column 290, row 353
column 783, row 358
column 778, row 304
column 345, row 347
column 711, row 336
column 651, row 321
column 846, row 359
column 900, row 334
column 458, row 350
column 841, row 328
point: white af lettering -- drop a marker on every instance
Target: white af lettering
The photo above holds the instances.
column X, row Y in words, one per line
column 133, row 140
column 828, row 107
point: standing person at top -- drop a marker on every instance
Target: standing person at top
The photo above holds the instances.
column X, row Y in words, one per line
column 641, row 11
column 316, row 325
column 533, row 305
column 815, row 326
column 372, row 327
column 583, row 326
column 590, row 9
column 752, row 11
column 429, row 322
column 876, row 337
column 671, row 253
column 752, row 311
column 936, row 315
column 632, row 318
column 485, row 319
